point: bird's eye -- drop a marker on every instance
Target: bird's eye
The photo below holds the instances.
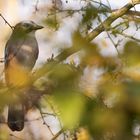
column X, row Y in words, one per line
column 27, row 25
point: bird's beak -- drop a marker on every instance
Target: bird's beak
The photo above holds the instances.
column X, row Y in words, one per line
column 37, row 27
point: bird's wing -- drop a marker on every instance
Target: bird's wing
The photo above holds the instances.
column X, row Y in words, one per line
column 15, row 74
column 11, row 49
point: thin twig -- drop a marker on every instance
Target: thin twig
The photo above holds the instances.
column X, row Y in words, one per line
column 100, row 3
column 56, row 115
column 1, row 60
column 36, row 6
column 108, row 4
column 44, row 122
column 128, row 36
column 106, row 23
column 12, row 27
column 109, row 36
column 57, row 134
column 15, row 137
column 50, row 114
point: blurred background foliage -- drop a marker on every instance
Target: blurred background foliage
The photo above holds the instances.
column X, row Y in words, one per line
column 85, row 90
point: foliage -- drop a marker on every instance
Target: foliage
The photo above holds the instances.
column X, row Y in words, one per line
column 101, row 105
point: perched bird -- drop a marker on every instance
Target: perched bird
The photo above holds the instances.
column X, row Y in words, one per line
column 21, row 53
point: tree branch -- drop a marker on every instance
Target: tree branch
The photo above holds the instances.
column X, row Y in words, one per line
column 105, row 25
column 12, row 27
column 114, row 15
column 57, row 134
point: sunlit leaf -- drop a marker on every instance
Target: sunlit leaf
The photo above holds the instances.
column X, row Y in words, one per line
column 71, row 106
column 131, row 59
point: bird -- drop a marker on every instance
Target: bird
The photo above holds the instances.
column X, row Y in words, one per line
column 21, row 53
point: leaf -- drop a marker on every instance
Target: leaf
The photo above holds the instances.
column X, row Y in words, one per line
column 131, row 59
column 71, row 106
column 90, row 14
column 131, row 53
column 52, row 22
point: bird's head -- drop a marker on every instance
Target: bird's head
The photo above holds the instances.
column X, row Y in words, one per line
column 26, row 27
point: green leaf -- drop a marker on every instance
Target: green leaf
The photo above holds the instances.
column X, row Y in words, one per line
column 131, row 59
column 131, row 53
column 71, row 106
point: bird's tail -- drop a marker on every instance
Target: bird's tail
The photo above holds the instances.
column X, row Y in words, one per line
column 16, row 115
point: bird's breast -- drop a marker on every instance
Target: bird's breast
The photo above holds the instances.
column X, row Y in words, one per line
column 27, row 55
column 27, row 48
column 15, row 74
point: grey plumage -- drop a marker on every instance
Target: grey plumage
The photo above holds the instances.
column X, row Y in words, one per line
column 21, row 53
